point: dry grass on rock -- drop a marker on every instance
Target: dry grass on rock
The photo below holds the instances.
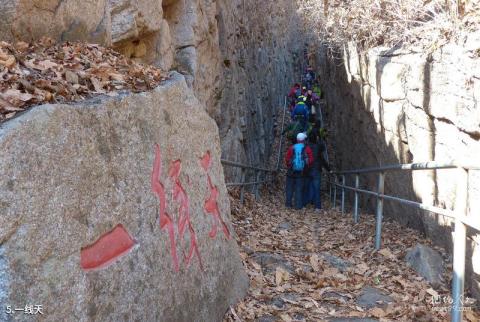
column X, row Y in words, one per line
column 371, row 23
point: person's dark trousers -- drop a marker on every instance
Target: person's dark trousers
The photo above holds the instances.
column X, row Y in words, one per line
column 303, row 122
column 294, row 188
column 307, row 190
column 305, row 125
column 315, row 186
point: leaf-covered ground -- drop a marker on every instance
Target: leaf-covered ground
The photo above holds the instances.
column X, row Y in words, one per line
column 307, row 266
column 48, row 72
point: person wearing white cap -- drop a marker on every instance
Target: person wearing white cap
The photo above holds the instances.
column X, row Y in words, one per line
column 298, row 159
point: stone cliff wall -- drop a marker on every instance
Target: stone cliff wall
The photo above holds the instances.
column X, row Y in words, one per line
column 262, row 45
column 115, row 209
column 239, row 56
column 402, row 106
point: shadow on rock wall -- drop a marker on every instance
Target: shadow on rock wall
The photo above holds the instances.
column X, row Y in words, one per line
column 261, row 55
column 382, row 111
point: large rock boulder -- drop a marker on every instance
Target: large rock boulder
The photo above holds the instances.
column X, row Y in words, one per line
column 427, row 262
column 115, row 209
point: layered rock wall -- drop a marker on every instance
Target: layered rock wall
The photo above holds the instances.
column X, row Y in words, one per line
column 401, row 106
column 239, row 56
column 115, row 209
column 262, row 45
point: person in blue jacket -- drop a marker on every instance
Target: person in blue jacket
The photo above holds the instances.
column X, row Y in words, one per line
column 300, row 112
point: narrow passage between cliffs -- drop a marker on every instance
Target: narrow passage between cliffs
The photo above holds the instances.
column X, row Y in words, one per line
column 314, row 264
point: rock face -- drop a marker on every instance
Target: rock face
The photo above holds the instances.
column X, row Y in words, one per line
column 427, row 262
column 117, row 206
column 401, row 106
column 239, row 56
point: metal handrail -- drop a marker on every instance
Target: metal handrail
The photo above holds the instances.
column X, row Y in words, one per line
column 237, row 184
column 244, row 166
column 459, row 214
column 430, row 165
column 257, row 170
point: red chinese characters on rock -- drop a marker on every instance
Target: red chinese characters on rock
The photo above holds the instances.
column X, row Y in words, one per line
column 107, row 249
column 166, row 221
column 184, row 222
column 211, row 204
column 118, row 242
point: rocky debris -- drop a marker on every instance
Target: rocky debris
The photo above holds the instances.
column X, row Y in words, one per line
column 79, row 219
column 336, row 296
column 46, row 72
column 281, row 300
column 370, row 297
column 285, row 226
column 352, row 320
column 278, row 302
column 298, row 317
column 266, row 318
column 270, row 261
column 248, row 250
column 335, row 261
column 427, row 262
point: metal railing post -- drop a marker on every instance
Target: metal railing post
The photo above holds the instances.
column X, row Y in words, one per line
column 242, row 190
column 256, row 187
column 343, row 194
column 379, row 212
column 459, row 246
column 334, row 191
column 355, row 203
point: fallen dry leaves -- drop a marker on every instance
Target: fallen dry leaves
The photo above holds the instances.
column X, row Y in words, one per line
column 307, row 285
column 44, row 72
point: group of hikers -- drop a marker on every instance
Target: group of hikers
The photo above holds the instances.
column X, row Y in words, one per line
column 305, row 157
